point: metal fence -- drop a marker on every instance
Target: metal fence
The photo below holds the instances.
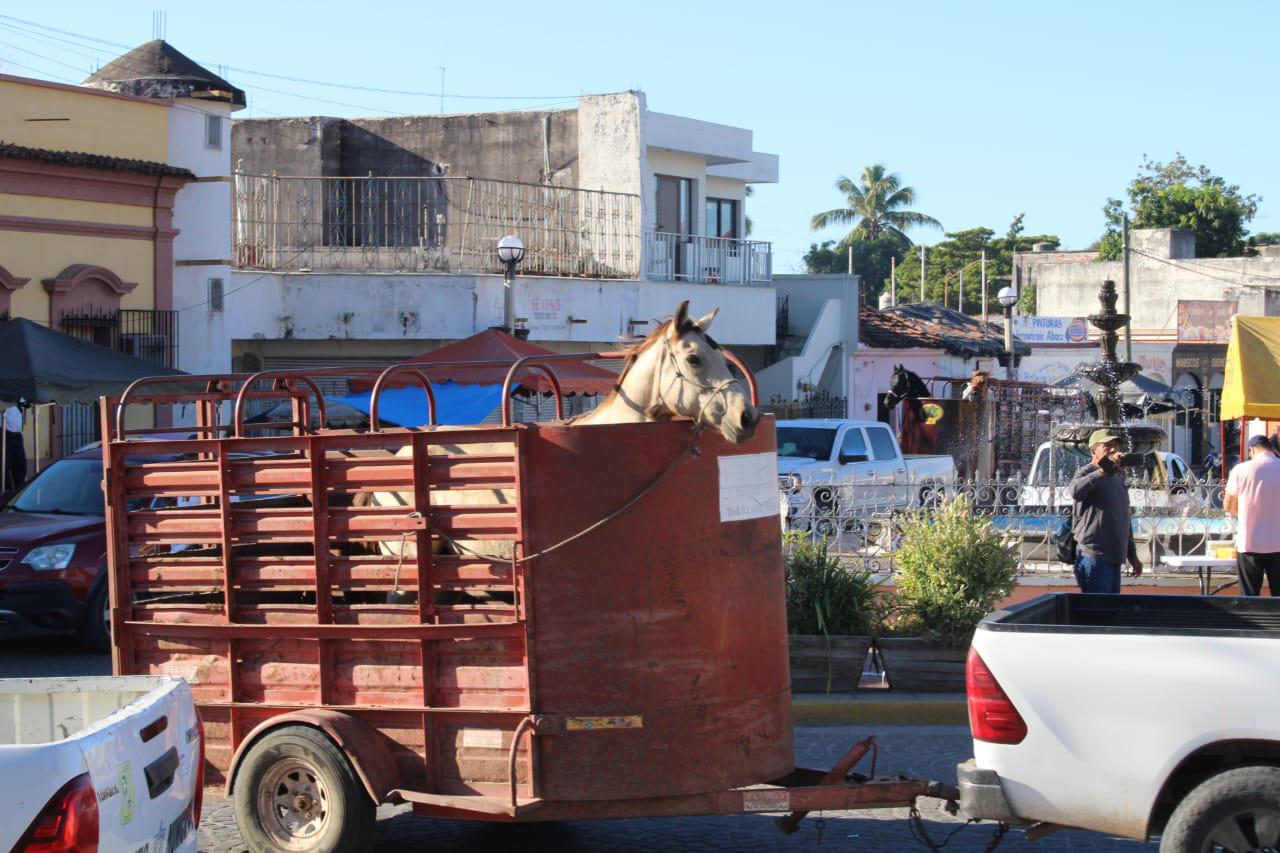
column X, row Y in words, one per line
column 820, row 404
column 443, row 224
column 862, row 520
column 148, row 335
column 706, row 260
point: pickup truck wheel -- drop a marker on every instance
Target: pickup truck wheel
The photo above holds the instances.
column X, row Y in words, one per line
column 95, row 630
column 1234, row 812
column 296, row 791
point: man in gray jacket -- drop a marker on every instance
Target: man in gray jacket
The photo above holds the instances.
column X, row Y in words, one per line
column 1100, row 517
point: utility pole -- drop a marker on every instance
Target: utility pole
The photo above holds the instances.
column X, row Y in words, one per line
column 922, row 272
column 960, row 293
column 1128, row 327
column 893, row 281
column 850, row 259
column 984, row 287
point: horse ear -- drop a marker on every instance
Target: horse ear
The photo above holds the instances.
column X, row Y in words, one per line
column 680, row 322
column 704, row 322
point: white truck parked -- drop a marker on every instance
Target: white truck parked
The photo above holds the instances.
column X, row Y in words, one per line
column 845, row 466
column 1135, row 715
column 1165, row 475
column 99, row 763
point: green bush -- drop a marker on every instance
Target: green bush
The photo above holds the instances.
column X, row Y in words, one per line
column 953, row 567
column 824, row 597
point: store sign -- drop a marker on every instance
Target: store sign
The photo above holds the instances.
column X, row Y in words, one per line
column 1051, row 330
column 1205, row 321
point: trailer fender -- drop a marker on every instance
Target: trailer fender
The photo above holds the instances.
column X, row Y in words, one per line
column 358, row 740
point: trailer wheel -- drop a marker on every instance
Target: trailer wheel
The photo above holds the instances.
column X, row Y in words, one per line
column 296, row 791
column 1238, row 810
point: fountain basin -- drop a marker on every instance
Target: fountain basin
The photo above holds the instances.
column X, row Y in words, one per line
column 1137, row 440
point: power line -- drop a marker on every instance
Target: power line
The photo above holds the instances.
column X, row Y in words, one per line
column 1203, row 274
column 312, row 82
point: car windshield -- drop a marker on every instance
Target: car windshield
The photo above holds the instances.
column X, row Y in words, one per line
column 68, row 486
column 805, row 442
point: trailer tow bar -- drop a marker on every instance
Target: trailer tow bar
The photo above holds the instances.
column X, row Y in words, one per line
column 790, row 823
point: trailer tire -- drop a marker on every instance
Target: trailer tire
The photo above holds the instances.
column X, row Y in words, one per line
column 296, row 791
column 1225, row 808
column 94, row 632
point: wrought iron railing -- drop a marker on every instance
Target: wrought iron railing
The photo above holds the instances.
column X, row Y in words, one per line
column 819, row 404
column 442, row 224
column 706, row 260
column 861, row 519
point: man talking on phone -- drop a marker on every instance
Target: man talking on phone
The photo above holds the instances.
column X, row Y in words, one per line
column 1100, row 517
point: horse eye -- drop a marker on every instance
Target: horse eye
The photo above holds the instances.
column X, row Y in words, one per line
column 694, row 360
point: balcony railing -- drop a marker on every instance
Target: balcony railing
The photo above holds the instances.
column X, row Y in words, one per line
column 706, row 260
column 432, row 224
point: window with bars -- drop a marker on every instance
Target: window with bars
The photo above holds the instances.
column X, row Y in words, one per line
column 213, row 132
column 215, row 295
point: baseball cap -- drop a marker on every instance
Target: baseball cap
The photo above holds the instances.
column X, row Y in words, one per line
column 1101, row 436
column 1260, row 440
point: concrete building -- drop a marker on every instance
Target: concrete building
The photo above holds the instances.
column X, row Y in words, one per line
column 364, row 241
column 1180, row 305
column 87, row 213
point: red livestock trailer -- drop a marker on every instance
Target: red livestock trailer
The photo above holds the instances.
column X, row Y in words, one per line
column 625, row 655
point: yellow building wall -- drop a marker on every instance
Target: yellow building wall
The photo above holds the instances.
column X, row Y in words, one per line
column 95, row 123
column 41, row 256
column 77, row 211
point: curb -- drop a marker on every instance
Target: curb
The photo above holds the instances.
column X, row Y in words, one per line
column 899, row 709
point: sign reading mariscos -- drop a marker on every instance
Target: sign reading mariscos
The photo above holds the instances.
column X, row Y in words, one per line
column 1051, row 330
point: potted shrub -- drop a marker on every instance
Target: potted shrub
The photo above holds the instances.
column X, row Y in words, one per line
column 953, row 567
column 829, row 617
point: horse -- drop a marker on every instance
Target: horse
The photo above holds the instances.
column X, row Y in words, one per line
column 677, row 371
column 978, row 388
column 906, row 386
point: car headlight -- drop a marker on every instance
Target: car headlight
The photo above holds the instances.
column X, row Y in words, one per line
column 49, row 558
column 795, row 483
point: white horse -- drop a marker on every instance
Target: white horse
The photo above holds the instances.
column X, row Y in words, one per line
column 677, row 371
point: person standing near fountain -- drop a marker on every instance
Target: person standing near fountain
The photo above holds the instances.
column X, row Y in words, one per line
column 1100, row 517
column 1252, row 496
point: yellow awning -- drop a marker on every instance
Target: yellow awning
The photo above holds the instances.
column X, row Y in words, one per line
column 1251, row 387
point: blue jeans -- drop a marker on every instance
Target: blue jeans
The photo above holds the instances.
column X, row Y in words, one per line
column 1095, row 574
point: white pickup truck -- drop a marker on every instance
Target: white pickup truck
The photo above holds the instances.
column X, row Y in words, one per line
column 1135, row 715
column 1165, row 475
column 842, row 466
column 107, row 763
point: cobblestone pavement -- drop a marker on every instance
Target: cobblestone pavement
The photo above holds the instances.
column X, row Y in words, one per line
column 928, row 751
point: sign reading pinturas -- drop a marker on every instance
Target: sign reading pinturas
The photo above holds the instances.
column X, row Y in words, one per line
column 1051, row 330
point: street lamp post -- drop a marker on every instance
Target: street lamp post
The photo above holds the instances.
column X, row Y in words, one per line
column 1007, row 298
column 510, row 252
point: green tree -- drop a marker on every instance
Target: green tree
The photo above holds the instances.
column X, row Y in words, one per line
column 872, row 260
column 876, row 205
column 1179, row 195
column 962, row 251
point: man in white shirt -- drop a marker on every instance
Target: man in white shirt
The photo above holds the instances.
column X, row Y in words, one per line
column 15, row 453
column 1253, row 496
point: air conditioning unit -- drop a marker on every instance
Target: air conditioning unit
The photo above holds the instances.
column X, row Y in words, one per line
column 146, row 347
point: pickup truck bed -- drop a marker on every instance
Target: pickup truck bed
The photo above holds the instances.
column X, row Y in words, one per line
column 1107, row 712
column 111, row 761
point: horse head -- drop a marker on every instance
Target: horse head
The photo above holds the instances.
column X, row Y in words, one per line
column 977, row 387
column 693, row 379
column 904, row 385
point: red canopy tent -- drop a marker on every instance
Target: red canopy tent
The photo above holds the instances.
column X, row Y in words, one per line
column 501, row 351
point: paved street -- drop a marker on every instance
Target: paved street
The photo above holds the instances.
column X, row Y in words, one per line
column 930, row 751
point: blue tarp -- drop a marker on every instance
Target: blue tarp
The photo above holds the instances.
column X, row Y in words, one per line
column 407, row 407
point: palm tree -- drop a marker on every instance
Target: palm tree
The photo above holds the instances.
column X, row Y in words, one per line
column 875, row 207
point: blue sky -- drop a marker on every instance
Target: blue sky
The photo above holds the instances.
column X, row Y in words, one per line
column 987, row 109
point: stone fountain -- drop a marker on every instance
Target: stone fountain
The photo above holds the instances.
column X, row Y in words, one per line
column 1108, row 372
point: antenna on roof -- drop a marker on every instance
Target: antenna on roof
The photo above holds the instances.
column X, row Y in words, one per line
column 159, row 24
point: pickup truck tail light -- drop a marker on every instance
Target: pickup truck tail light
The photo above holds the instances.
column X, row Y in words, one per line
column 198, row 803
column 992, row 717
column 67, row 824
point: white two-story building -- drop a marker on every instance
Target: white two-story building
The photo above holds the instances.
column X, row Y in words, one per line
column 364, row 241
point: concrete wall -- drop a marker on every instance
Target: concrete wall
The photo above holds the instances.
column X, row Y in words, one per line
column 785, row 378
column 870, row 371
column 510, row 146
column 611, row 152
column 806, row 294
column 448, row 307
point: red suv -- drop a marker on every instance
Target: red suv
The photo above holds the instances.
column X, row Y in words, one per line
column 53, row 552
